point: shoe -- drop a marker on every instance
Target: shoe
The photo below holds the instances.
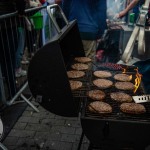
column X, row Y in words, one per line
column 24, row 62
column 20, row 73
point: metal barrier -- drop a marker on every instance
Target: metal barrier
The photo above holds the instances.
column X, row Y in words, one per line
column 16, row 35
column 11, row 88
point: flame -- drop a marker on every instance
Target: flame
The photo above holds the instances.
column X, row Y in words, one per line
column 124, row 70
column 130, row 77
column 137, row 80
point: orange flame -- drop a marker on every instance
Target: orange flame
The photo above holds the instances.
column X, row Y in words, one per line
column 124, row 70
column 130, row 77
column 137, row 80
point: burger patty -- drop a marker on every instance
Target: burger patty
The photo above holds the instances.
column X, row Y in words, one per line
column 83, row 59
column 121, row 97
column 75, row 74
column 102, row 74
column 79, row 66
column 132, row 108
column 96, row 94
column 124, row 85
column 122, row 77
column 75, row 84
column 103, row 83
column 99, row 107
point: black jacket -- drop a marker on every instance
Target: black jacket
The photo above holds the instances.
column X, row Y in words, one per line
column 9, row 6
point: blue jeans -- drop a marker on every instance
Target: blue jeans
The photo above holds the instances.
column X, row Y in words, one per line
column 20, row 48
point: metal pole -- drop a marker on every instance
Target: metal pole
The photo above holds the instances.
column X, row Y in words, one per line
column 26, row 100
column 2, row 91
column 80, row 142
column 2, row 147
column 19, row 93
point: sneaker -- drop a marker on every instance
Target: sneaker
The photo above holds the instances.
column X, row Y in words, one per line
column 20, row 73
column 24, row 62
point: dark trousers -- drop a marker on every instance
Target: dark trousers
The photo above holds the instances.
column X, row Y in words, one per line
column 8, row 46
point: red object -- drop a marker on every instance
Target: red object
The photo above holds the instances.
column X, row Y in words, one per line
column 42, row 1
column 99, row 54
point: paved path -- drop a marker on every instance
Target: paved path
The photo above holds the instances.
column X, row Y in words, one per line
column 45, row 131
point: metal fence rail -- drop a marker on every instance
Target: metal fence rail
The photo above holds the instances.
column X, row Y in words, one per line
column 10, row 39
column 17, row 41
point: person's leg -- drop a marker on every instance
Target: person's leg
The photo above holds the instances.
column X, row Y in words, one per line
column 19, row 53
column 31, row 41
column 89, row 48
column 20, row 49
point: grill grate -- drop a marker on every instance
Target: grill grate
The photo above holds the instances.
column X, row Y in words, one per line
column 116, row 115
column 81, row 93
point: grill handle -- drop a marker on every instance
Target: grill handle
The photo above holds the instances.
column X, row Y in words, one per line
column 53, row 19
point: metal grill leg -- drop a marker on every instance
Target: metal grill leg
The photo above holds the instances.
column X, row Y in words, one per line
column 80, row 142
column 90, row 147
column 19, row 93
column 26, row 100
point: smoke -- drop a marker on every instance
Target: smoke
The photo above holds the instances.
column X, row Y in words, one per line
column 114, row 7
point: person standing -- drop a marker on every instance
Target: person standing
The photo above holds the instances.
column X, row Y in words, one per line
column 54, row 1
column 91, row 20
column 129, row 6
column 9, row 40
column 31, row 40
column 34, row 3
column 135, row 5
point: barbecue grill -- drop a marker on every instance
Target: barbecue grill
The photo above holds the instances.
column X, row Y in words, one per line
column 117, row 129
column 49, row 84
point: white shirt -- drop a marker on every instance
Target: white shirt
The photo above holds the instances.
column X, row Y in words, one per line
column 34, row 3
column 51, row 1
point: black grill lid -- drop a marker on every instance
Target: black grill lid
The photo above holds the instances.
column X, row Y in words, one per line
column 47, row 76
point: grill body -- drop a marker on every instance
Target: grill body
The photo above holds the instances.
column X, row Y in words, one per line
column 47, row 75
column 116, row 134
column 116, row 130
